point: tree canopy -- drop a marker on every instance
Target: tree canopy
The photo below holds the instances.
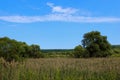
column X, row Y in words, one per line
column 96, row 44
column 11, row 49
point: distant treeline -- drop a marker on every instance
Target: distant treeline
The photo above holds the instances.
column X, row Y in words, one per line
column 55, row 50
column 115, row 46
column 67, row 50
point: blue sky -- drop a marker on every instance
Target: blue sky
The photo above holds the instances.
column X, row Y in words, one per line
column 59, row 24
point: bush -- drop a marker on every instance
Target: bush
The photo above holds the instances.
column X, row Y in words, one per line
column 13, row 50
column 79, row 51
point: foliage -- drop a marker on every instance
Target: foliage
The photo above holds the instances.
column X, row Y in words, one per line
column 53, row 53
column 116, row 52
column 116, row 46
column 13, row 50
column 115, row 55
column 61, row 69
column 79, row 51
column 96, row 44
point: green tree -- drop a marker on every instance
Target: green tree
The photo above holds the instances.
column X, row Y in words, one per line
column 96, row 44
column 78, row 51
column 11, row 49
column 35, row 51
column 8, row 49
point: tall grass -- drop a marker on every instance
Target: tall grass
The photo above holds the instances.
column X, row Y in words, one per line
column 61, row 69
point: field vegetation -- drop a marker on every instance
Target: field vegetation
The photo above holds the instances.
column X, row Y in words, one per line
column 61, row 69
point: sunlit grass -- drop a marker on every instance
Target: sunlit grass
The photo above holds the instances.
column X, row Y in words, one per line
column 61, row 69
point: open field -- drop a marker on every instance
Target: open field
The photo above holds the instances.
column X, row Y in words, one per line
column 61, row 69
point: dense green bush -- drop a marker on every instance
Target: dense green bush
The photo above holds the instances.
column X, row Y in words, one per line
column 13, row 50
column 79, row 51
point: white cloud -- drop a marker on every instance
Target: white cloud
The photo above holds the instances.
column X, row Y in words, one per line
column 59, row 9
column 58, row 17
column 50, row 4
column 59, row 14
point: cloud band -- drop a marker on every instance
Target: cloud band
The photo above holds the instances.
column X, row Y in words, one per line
column 58, row 17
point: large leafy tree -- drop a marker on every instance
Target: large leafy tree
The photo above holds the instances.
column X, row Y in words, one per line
column 96, row 44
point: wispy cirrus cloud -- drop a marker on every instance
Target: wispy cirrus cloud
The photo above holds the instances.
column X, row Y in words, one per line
column 59, row 14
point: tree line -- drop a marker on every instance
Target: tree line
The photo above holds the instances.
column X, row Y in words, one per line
column 93, row 45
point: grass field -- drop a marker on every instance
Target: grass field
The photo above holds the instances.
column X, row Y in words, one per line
column 61, row 69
